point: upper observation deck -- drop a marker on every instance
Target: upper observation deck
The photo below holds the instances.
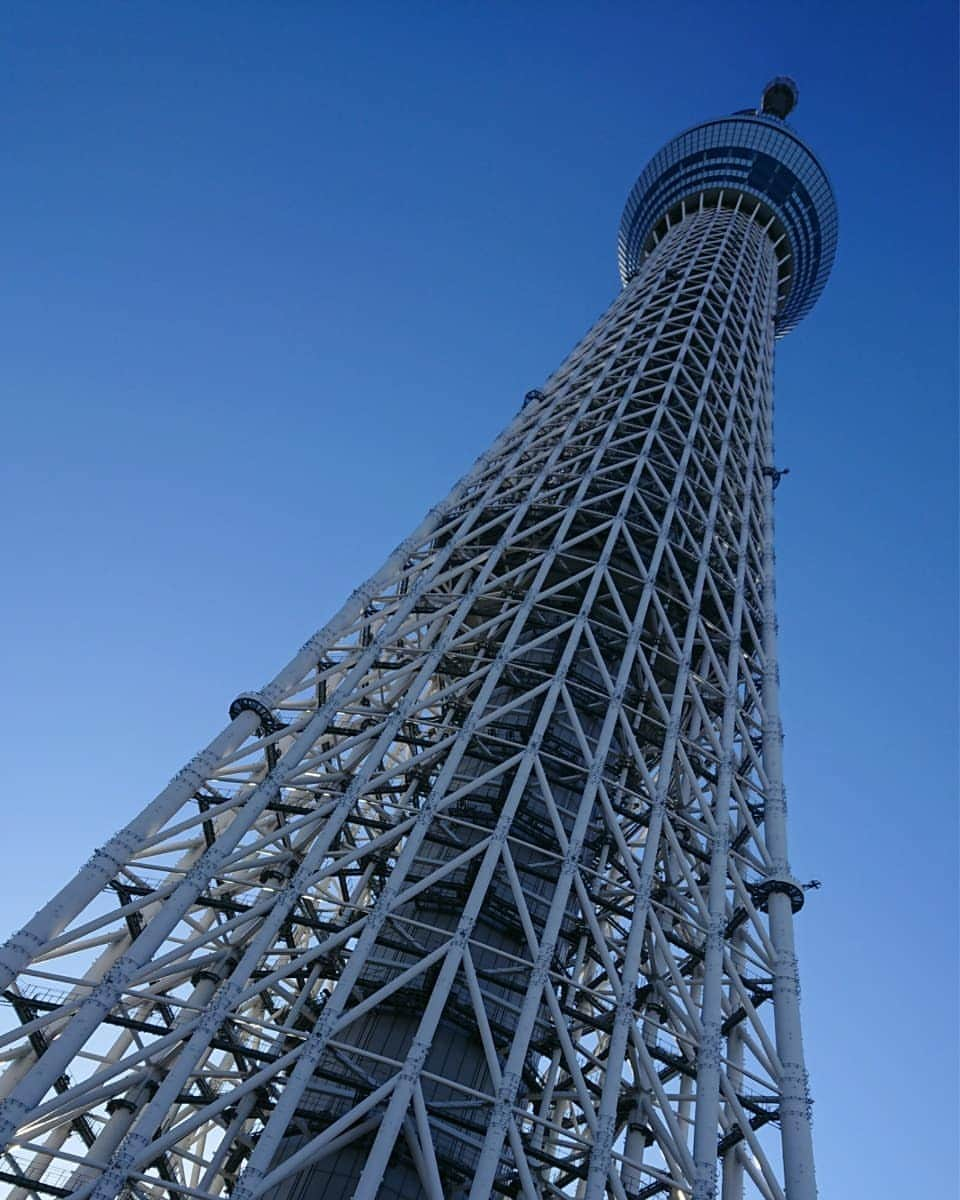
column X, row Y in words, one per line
column 756, row 156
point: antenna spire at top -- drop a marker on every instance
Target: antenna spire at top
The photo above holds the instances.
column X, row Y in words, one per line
column 780, row 97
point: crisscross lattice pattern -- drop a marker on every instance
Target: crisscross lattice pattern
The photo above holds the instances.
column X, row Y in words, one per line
column 487, row 892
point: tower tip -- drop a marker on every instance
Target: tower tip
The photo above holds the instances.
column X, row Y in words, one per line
column 780, row 97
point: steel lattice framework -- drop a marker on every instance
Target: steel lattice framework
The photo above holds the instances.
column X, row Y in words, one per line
column 487, row 892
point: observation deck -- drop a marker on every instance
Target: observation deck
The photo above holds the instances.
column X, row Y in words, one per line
column 756, row 156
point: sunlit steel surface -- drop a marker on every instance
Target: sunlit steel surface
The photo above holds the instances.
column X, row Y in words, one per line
column 487, row 892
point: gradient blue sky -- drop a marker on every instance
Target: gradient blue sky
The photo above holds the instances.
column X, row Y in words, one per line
column 275, row 273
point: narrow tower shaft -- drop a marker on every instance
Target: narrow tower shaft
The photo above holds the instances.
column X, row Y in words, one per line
column 487, row 893
column 664, row 458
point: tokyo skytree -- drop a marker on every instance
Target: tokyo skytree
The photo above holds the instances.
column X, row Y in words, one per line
column 487, row 893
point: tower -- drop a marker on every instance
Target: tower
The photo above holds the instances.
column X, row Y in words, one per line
column 487, row 892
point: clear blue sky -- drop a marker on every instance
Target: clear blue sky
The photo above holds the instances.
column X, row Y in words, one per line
column 275, row 273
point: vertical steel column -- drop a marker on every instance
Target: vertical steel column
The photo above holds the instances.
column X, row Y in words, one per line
column 795, row 1116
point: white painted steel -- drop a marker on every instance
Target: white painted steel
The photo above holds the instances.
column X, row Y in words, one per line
column 487, row 892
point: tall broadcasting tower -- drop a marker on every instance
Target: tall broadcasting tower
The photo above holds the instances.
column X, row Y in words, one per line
column 487, row 893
